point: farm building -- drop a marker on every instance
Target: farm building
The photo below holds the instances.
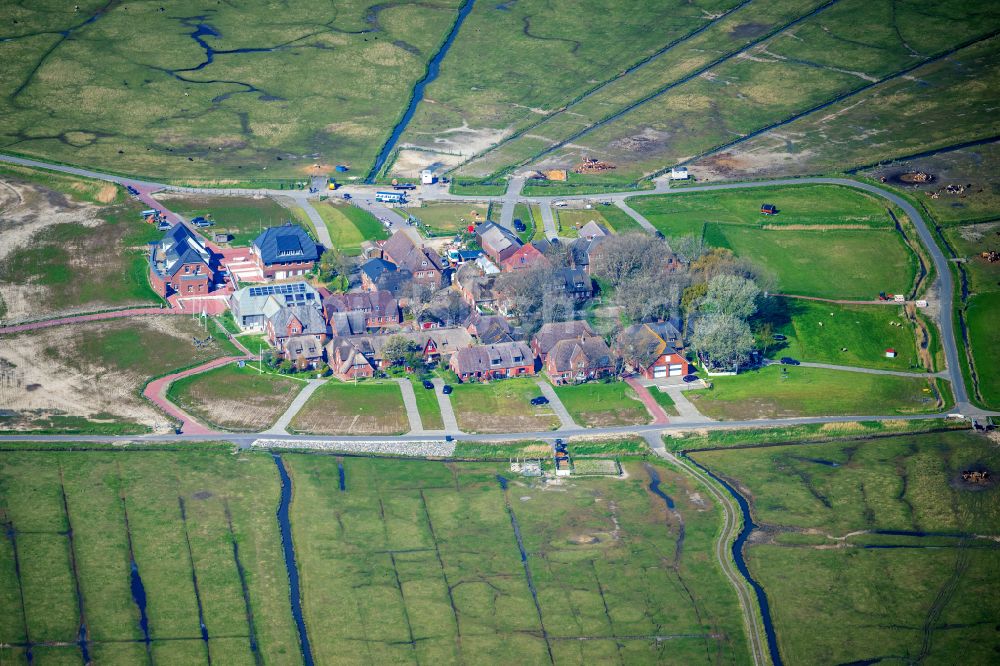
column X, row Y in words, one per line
column 679, row 173
column 284, row 252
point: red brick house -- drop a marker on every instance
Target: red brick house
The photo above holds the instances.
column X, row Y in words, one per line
column 284, row 252
column 425, row 266
column 507, row 359
column 371, row 309
column 348, row 361
column 525, row 256
column 294, row 321
column 576, row 360
column 499, row 243
column 651, row 350
column 551, row 333
column 181, row 263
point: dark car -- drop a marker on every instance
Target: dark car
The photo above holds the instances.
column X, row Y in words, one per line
column 778, row 337
column 446, row 389
column 690, row 378
column 788, row 360
column 347, row 195
column 540, row 400
column 131, row 190
column 519, row 225
column 201, row 222
column 428, row 384
column 659, row 234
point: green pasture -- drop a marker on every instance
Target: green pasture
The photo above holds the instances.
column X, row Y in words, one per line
column 600, row 404
column 235, row 398
column 367, row 408
column 242, row 217
column 831, row 593
column 848, row 264
column 501, row 406
column 855, row 335
column 830, row 206
column 824, row 57
column 426, row 552
column 570, row 220
column 909, row 115
column 983, row 314
column 100, row 487
column 631, row 446
column 349, row 226
column 969, row 242
column 782, row 391
column 450, row 218
column 321, row 88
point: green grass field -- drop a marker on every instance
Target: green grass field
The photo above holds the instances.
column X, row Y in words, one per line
column 243, row 218
column 598, row 404
column 426, row 552
column 411, row 560
column 349, row 225
column 501, row 406
column 769, row 393
column 839, row 591
column 100, row 487
column 235, row 398
column 449, row 218
column 427, row 405
column 368, row 408
column 984, row 334
column 664, row 400
column 821, row 332
column 826, row 241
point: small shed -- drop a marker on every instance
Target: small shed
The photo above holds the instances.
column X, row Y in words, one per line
column 890, row 353
column 769, row 209
column 221, row 237
column 427, row 177
column 679, row 173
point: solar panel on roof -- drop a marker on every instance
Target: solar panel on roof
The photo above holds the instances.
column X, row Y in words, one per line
column 279, row 289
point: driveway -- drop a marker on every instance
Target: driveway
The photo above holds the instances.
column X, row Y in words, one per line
column 565, row 419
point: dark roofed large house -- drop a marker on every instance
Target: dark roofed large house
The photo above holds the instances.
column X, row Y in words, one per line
column 284, row 252
column 425, row 265
column 507, row 359
column 499, row 243
column 580, row 359
column 375, row 309
column 181, row 263
column 551, row 333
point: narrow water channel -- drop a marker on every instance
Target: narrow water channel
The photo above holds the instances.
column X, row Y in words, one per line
column 433, row 67
column 748, row 527
column 654, row 486
column 295, row 595
column 341, row 476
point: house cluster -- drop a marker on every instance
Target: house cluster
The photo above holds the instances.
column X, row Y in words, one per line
column 349, row 332
column 185, row 264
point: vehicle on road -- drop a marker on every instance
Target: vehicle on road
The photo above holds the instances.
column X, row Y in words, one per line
column 131, row 190
column 689, row 379
column 428, row 384
column 788, row 360
column 446, row 389
column 540, row 400
column 560, row 204
column 404, row 186
column 347, row 195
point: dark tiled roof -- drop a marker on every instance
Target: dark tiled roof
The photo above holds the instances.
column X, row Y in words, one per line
column 285, row 244
column 549, row 334
column 491, row 357
column 373, row 268
column 401, row 250
column 592, row 351
column 178, row 246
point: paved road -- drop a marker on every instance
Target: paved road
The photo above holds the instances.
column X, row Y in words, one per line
column 280, row 426
column 447, row 411
column 867, row 371
column 643, row 222
column 548, row 221
column 509, row 201
column 410, row 403
column 565, row 418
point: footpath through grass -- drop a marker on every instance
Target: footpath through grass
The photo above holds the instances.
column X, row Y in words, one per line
column 235, row 398
column 783, row 391
column 857, row 537
column 598, row 404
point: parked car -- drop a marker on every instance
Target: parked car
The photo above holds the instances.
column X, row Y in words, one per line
column 347, row 195
column 446, row 389
column 540, row 400
column 688, row 379
column 131, row 190
column 778, row 337
column 519, row 225
column 788, row 360
column 201, row 222
column 428, row 384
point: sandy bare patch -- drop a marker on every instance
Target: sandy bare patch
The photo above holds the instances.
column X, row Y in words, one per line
column 446, row 146
column 410, row 162
column 41, row 374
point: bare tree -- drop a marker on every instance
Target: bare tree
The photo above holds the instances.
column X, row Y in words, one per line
column 624, row 257
column 731, row 295
column 726, row 341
